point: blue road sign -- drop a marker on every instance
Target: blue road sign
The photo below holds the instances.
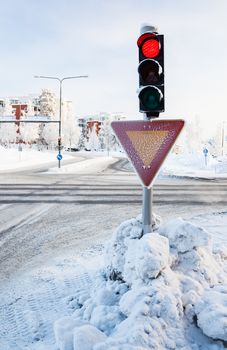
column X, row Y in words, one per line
column 205, row 151
column 59, row 156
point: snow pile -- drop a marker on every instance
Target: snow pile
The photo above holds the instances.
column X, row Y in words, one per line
column 194, row 165
column 162, row 290
column 212, row 312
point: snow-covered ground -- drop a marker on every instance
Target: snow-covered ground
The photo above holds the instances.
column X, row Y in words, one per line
column 187, row 165
column 96, row 164
column 164, row 290
column 12, row 159
column 195, row 165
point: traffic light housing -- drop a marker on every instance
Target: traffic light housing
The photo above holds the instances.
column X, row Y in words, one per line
column 151, row 73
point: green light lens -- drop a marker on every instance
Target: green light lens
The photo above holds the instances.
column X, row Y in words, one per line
column 150, row 98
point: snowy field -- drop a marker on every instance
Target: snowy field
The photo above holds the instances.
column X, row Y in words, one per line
column 164, row 290
column 12, row 159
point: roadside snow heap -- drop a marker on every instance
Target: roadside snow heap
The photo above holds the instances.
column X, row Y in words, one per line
column 163, row 290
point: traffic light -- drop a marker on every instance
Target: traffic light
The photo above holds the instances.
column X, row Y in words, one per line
column 151, row 73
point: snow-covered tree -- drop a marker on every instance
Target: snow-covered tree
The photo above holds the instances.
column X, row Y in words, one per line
column 104, row 135
column 7, row 108
column 193, row 138
column 47, row 132
column 82, row 140
column 114, row 143
column 70, row 128
column 29, row 132
column 8, row 133
column 214, row 144
column 30, row 109
column 47, row 103
column 93, row 140
column 50, row 134
column 1, row 110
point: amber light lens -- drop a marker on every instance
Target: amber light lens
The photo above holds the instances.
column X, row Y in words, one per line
column 150, row 71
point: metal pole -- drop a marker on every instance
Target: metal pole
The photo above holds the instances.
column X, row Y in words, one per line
column 59, row 130
column 147, row 206
column 147, row 210
column 222, row 141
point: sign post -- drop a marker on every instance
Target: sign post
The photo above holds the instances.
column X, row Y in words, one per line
column 20, row 150
column 147, row 209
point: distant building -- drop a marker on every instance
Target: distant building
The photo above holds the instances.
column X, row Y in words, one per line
column 19, row 107
column 94, row 123
column 86, row 123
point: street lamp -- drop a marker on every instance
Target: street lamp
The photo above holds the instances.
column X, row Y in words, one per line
column 59, row 130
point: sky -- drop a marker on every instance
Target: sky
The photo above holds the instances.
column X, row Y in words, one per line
column 98, row 38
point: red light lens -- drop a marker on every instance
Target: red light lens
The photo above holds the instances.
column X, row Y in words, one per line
column 151, row 48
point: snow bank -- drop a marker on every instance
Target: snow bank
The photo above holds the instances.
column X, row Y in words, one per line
column 85, row 165
column 12, row 159
column 162, row 290
column 191, row 160
column 194, row 165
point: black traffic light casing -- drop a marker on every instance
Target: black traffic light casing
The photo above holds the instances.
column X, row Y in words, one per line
column 151, row 74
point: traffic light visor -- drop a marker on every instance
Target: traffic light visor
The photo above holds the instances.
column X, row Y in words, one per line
column 150, row 98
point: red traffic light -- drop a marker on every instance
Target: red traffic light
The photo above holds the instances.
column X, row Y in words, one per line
column 150, row 48
column 149, row 45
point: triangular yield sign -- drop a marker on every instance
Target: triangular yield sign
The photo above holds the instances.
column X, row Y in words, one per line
column 147, row 143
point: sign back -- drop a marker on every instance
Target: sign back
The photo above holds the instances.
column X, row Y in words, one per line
column 147, row 144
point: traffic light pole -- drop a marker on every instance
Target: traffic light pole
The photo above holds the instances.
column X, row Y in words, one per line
column 147, row 205
column 151, row 95
column 147, row 209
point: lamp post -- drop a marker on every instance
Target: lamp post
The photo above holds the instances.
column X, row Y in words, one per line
column 60, row 99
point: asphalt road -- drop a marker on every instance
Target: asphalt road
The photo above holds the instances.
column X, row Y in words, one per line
column 43, row 215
